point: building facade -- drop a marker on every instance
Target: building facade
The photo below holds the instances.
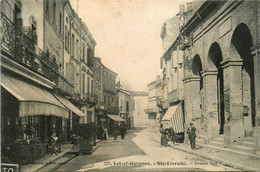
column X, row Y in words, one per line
column 126, row 107
column 140, row 104
column 154, row 93
column 43, row 54
column 172, row 65
column 220, row 40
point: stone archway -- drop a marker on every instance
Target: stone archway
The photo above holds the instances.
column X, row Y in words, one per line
column 214, row 60
column 214, row 85
column 241, row 44
column 196, row 69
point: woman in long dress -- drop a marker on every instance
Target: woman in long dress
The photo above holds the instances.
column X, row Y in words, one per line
column 163, row 137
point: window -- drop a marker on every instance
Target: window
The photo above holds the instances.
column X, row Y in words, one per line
column 77, row 48
column 83, row 84
column 47, row 7
column 31, row 127
column 73, row 45
column 54, row 11
column 83, row 53
column 88, row 86
column 60, row 23
column 66, row 38
column 92, row 86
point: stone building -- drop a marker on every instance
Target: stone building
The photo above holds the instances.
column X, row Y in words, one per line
column 98, row 89
column 126, row 107
column 172, row 65
column 220, row 40
column 41, row 75
column 154, row 93
column 140, row 104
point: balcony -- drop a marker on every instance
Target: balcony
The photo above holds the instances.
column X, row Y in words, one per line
column 64, row 86
column 21, row 48
column 173, row 96
column 112, row 110
column 184, row 43
column 150, row 110
column 90, row 99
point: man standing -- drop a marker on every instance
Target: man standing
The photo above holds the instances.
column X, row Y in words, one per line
column 192, row 136
column 122, row 131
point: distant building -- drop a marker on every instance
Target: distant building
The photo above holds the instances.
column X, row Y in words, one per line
column 172, row 65
column 154, row 93
column 141, row 103
column 126, row 106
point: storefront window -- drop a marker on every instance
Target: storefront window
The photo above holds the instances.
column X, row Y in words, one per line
column 30, row 127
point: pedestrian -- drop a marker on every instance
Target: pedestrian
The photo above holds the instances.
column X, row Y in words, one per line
column 192, row 135
column 115, row 133
column 172, row 135
column 163, row 136
column 122, row 131
column 105, row 134
column 54, row 139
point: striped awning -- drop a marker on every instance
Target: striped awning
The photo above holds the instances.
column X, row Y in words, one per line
column 33, row 99
column 174, row 118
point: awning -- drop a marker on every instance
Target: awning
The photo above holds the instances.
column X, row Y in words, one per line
column 174, row 116
column 33, row 100
column 69, row 105
column 116, row 118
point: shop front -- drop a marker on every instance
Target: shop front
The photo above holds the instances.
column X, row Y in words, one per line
column 113, row 122
column 30, row 114
column 174, row 120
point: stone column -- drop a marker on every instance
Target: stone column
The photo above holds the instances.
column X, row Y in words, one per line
column 210, row 112
column 256, row 56
column 256, row 129
column 234, row 128
column 192, row 103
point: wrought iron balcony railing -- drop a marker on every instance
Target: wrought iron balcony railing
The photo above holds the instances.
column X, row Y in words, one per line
column 22, row 48
column 90, row 99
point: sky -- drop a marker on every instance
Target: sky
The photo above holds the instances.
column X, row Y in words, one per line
column 128, row 35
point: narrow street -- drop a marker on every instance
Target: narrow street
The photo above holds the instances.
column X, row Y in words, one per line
column 139, row 152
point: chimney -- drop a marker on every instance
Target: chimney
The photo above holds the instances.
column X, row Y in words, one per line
column 181, row 9
column 189, row 6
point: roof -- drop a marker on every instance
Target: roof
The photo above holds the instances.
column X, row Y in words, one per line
column 139, row 93
column 125, row 91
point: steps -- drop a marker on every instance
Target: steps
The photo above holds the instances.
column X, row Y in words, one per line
column 245, row 147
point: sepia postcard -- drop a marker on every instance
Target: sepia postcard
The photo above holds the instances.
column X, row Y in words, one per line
column 130, row 85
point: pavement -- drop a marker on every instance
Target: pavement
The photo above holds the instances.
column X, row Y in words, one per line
column 224, row 156
column 54, row 160
column 139, row 152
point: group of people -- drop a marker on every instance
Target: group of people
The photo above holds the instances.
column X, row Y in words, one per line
column 121, row 130
column 169, row 134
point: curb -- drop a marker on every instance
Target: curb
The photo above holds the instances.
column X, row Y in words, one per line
column 94, row 149
column 54, row 159
column 220, row 161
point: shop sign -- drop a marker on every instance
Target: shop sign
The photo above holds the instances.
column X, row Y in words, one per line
column 10, row 167
column 102, row 119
